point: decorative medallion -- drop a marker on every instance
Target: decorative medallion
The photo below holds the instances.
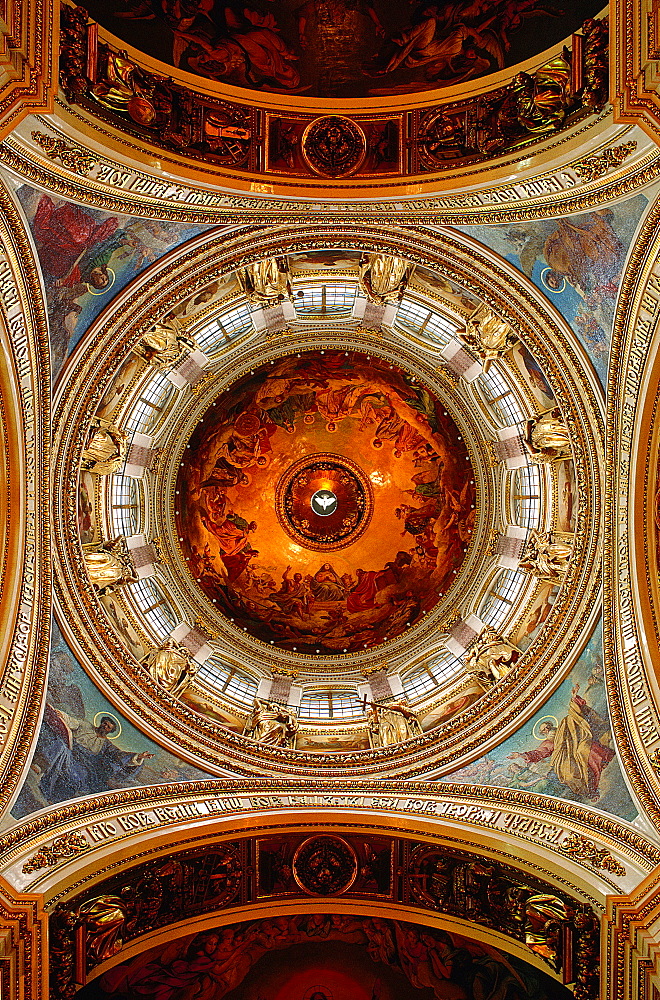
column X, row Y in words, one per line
column 324, row 502
column 334, row 146
column 291, row 461
column 325, row 866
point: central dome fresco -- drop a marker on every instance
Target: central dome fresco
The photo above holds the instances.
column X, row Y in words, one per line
column 325, row 502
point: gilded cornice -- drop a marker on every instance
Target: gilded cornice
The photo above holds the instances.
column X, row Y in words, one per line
column 515, row 825
column 29, row 48
column 630, row 551
column 120, row 183
column 26, row 592
column 546, row 662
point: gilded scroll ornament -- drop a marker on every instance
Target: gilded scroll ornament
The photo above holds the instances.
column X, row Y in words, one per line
column 62, row 847
column 72, row 157
column 583, row 849
column 272, row 724
column 105, row 448
column 597, row 166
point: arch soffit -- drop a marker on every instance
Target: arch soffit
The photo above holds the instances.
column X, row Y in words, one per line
column 631, row 551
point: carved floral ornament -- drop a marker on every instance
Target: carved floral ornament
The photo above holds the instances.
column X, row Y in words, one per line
column 79, row 400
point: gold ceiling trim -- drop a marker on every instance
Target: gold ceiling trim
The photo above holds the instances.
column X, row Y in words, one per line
column 632, row 588
column 26, row 590
column 484, row 723
column 138, row 188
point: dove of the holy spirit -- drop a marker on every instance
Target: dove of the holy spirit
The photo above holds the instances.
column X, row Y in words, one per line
column 324, row 502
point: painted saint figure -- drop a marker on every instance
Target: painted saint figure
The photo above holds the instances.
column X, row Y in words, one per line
column 574, row 748
column 77, row 757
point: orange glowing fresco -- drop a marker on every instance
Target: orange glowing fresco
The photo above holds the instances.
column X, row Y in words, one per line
column 326, row 502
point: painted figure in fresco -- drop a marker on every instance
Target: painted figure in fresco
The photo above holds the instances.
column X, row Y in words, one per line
column 244, row 437
column 234, row 42
column 326, row 584
column 78, row 757
column 574, row 748
column 588, row 254
column 271, row 724
column 294, row 595
column 73, row 247
column 215, row 962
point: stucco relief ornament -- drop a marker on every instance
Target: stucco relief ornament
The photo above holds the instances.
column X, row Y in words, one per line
column 547, row 438
column 267, row 282
column 171, row 666
column 383, row 277
column 272, row 724
column 105, row 448
column 490, row 658
column 165, row 344
column 325, row 866
column 487, row 335
column 547, row 555
column 109, row 566
column 334, row 146
column 62, row 847
column 583, row 849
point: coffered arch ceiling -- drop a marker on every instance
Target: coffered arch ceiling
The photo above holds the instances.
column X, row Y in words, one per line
column 483, row 277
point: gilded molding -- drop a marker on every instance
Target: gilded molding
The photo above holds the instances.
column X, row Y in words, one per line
column 460, row 739
column 132, row 189
column 25, row 386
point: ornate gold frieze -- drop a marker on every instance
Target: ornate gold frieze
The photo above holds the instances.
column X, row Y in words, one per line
column 204, row 126
column 133, row 190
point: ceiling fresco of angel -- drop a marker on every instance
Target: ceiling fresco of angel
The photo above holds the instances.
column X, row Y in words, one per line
column 341, row 48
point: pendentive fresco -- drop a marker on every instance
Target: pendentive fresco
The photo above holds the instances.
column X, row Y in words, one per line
column 85, row 747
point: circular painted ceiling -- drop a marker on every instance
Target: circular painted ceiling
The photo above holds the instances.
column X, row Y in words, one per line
column 325, row 502
column 341, row 48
